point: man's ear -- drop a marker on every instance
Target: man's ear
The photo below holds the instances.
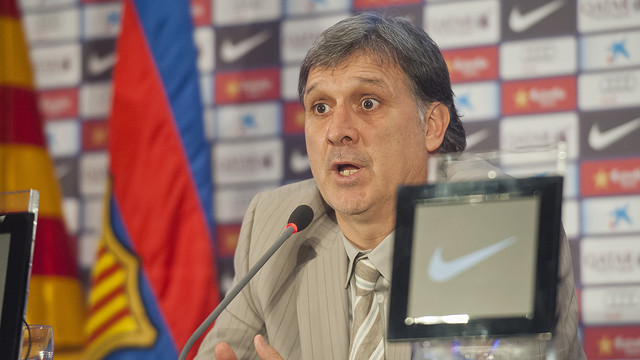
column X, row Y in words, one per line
column 436, row 123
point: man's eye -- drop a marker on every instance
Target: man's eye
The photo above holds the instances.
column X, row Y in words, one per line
column 321, row 108
column 370, row 104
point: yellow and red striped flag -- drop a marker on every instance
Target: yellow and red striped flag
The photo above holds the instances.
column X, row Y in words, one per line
column 55, row 293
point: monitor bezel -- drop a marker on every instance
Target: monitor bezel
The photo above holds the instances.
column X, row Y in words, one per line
column 20, row 227
column 542, row 320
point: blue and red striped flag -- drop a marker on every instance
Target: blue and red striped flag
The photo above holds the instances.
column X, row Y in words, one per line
column 154, row 279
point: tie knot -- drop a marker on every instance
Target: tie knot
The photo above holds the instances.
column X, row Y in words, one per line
column 366, row 276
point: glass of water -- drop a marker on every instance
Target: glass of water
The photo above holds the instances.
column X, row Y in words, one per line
column 37, row 342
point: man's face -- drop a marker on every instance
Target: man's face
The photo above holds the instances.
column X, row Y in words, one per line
column 364, row 136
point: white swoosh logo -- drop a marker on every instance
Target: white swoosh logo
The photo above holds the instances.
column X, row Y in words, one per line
column 62, row 170
column 441, row 270
column 98, row 65
column 299, row 162
column 520, row 22
column 230, row 52
column 477, row 137
column 599, row 140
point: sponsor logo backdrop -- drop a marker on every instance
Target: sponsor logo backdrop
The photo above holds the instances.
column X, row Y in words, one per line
column 525, row 73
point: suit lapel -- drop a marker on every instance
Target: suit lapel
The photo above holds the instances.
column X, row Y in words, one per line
column 322, row 298
column 322, row 301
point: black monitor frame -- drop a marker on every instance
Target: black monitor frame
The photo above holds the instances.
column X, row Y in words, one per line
column 20, row 227
column 543, row 319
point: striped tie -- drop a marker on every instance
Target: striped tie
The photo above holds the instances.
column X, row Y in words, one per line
column 367, row 341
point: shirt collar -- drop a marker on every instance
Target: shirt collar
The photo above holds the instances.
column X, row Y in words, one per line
column 381, row 256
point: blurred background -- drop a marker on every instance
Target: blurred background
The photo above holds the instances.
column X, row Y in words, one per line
column 525, row 73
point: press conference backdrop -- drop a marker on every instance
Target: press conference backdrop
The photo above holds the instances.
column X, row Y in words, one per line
column 525, row 73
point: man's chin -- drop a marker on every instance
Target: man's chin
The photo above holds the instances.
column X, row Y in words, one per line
column 350, row 211
column 346, row 202
column 346, row 208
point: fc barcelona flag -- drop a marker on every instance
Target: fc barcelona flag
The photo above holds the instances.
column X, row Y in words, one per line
column 154, row 279
column 55, row 293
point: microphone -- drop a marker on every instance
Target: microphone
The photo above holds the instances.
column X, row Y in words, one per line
column 299, row 219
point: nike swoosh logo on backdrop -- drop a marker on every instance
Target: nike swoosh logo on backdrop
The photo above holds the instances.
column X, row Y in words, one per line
column 599, row 140
column 519, row 22
column 441, row 270
column 98, row 65
column 230, row 52
column 62, row 170
column 299, row 162
column 477, row 137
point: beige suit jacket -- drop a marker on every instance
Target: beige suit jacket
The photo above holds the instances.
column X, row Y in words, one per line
column 298, row 301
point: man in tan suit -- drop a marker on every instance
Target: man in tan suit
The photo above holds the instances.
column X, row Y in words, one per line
column 378, row 103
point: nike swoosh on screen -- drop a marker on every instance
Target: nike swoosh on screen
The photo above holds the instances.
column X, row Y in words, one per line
column 600, row 140
column 519, row 22
column 230, row 52
column 440, row 270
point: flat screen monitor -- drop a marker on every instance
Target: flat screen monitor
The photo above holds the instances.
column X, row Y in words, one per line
column 476, row 258
column 16, row 244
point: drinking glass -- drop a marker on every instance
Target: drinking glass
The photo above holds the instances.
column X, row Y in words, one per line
column 37, row 342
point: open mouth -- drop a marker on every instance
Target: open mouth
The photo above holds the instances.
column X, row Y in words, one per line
column 347, row 169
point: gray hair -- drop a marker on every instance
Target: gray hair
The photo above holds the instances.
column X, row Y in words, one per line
column 394, row 41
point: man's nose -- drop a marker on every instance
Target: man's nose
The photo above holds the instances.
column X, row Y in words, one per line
column 342, row 127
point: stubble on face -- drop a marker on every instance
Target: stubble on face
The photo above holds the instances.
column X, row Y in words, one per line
column 384, row 145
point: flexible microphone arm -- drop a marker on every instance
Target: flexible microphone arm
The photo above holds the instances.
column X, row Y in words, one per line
column 300, row 218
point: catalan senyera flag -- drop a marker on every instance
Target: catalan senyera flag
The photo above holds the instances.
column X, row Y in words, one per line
column 55, row 295
column 154, row 279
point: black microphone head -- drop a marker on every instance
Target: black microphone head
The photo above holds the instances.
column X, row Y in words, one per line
column 301, row 217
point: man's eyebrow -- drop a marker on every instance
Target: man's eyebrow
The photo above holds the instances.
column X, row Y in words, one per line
column 367, row 80
column 373, row 81
column 309, row 89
